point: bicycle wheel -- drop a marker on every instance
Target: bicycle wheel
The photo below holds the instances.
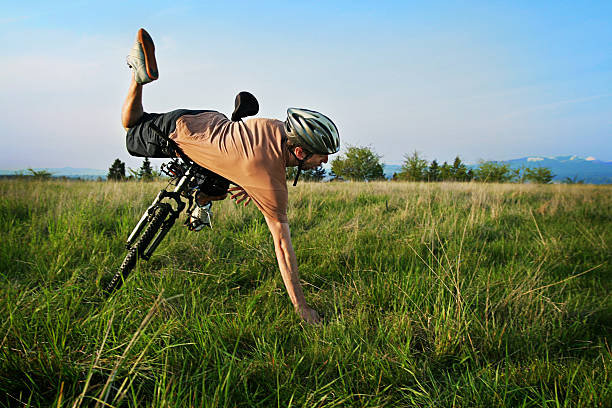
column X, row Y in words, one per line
column 136, row 251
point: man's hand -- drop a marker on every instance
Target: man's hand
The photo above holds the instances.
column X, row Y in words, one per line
column 240, row 196
column 309, row 315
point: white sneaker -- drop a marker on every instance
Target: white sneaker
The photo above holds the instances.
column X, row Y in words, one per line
column 200, row 217
column 142, row 58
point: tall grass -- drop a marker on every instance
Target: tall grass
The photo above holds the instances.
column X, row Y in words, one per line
column 433, row 294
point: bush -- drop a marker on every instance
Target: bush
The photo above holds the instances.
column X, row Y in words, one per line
column 116, row 171
column 539, row 175
column 414, row 168
column 358, row 164
column 494, row 172
column 316, row 174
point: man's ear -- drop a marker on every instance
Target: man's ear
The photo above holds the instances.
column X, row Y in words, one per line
column 299, row 153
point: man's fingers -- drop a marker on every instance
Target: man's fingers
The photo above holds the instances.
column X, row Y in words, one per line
column 240, row 193
column 240, row 196
column 310, row 316
column 315, row 318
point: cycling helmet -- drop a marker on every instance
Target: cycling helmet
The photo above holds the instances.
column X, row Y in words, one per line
column 312, row 130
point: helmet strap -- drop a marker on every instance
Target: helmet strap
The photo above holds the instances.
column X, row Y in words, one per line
column 297, row 175
column 300, row 165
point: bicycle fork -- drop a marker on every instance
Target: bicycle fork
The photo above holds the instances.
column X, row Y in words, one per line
column 174, row 213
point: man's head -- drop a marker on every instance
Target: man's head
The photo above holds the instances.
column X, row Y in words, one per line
column 313, row 131
column 311, row 137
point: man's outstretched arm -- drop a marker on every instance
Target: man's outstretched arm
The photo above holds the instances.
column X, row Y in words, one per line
column 287, row 263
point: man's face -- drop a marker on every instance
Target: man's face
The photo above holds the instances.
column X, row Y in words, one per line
column 315, row 161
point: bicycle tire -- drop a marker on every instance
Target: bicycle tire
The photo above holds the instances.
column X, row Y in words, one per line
column 136, row 251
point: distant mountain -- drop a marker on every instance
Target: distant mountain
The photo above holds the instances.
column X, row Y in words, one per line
column 69, row 172
column 389, row 169
column 589, row 170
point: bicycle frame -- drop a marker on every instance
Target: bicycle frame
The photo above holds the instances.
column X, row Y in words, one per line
column 187, row 178
column 161, row 215
column 175, row 195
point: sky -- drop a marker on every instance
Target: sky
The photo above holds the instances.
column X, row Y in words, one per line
column 484, row 80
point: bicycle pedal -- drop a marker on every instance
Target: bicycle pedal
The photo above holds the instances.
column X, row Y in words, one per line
column 199, row 218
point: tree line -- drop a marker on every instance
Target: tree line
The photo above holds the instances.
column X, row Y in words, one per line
column 145, row 172
column 415, row 168
column 361, row 163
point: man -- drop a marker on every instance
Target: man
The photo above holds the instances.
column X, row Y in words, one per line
column 252, row 154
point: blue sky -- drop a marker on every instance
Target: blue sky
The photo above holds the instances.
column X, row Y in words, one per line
column 484, row 80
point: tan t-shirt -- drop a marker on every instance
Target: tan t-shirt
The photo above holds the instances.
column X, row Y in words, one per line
column 249, row 154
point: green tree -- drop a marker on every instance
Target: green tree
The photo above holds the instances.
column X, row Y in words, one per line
column 540, row 175
column 494, row 172
column 470, row 175
column 134, row 174
column 516, row 175
column 414, row 168
column 145, row 173
column 116, row 171
column 359, row 164
column 520, row 175
column 316, row 174
column 40, row 174
column 446, row 172
column 572, row 180
column 459, row 170
column 433, row 173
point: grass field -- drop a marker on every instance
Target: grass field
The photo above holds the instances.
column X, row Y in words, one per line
column 439, row 295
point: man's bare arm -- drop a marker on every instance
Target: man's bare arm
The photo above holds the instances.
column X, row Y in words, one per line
column 287, row 263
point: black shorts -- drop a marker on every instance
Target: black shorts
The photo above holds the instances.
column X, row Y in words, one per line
column 142, row 139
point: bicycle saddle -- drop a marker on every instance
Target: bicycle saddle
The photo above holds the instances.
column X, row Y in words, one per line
column 245, row 105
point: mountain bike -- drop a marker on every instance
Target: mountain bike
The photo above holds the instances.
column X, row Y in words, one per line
column 186, row 180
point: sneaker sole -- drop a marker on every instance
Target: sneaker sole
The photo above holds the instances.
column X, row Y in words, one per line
column 148, row 49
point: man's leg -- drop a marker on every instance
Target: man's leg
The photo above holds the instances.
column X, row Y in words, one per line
column 144, row 70
column 132, row 107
